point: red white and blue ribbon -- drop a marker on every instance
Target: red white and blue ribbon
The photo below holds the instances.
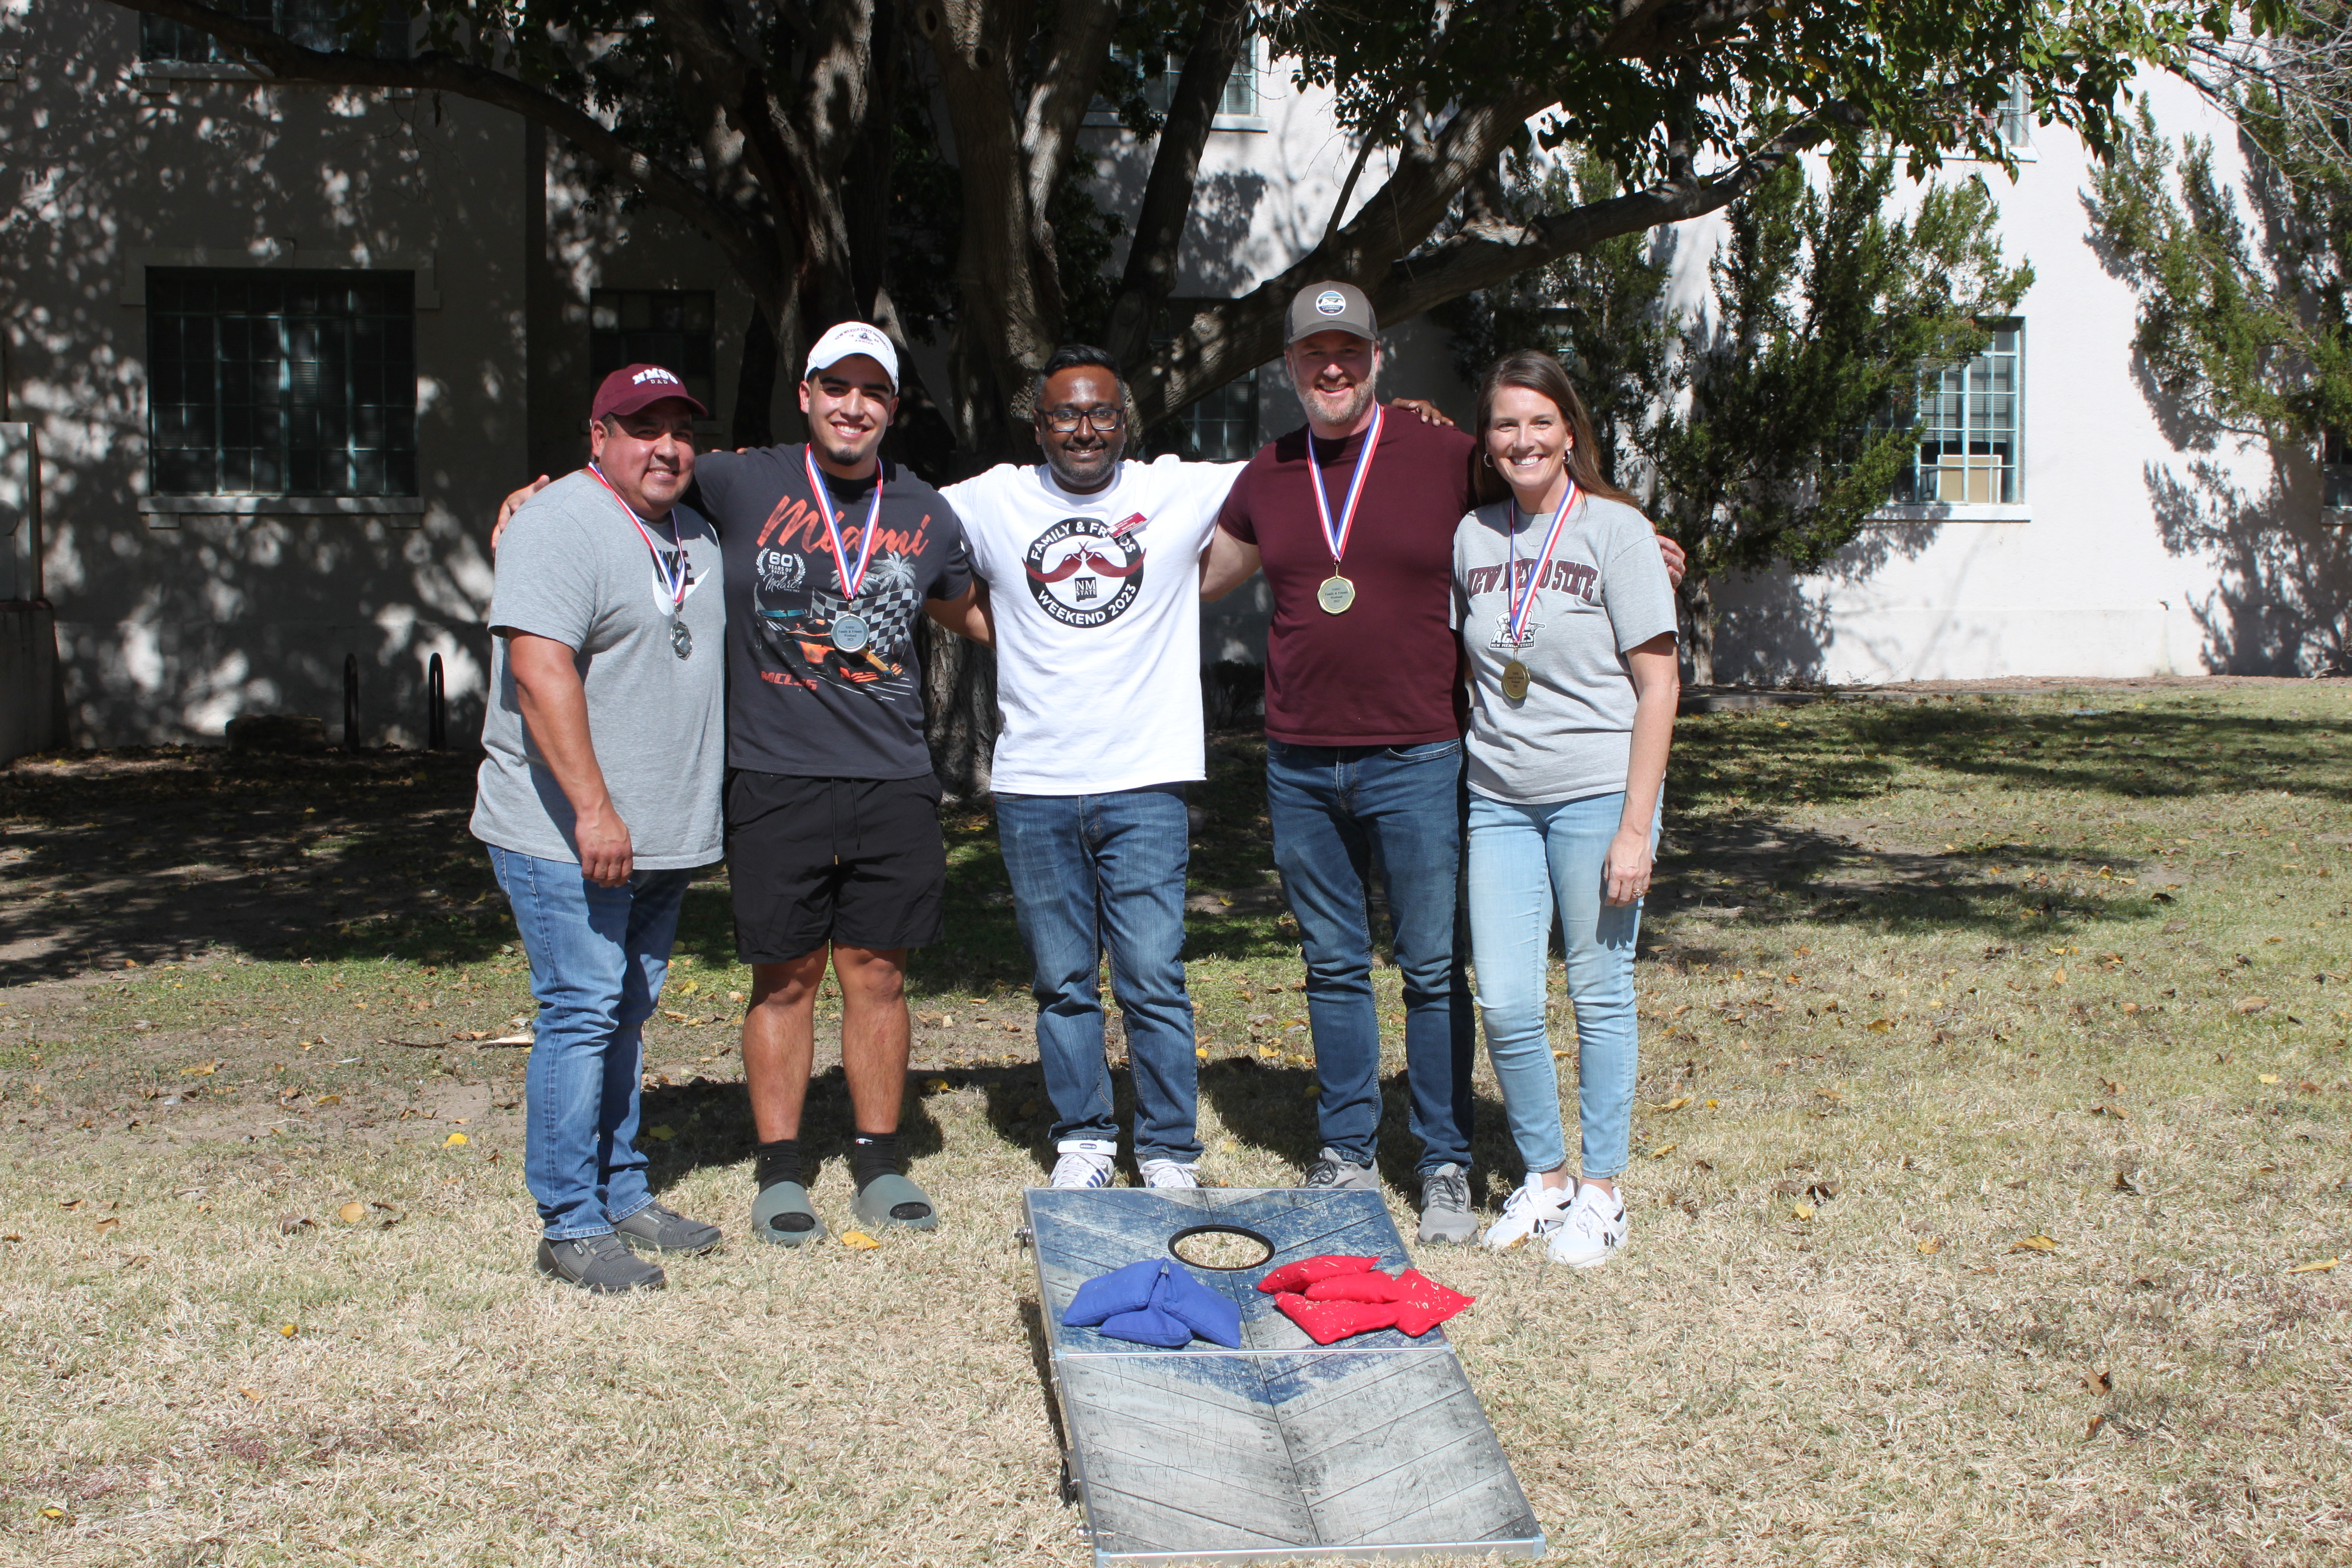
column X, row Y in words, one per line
column 1521, row 600
column 674, row 582
column 850, row 581
column 1337, row 538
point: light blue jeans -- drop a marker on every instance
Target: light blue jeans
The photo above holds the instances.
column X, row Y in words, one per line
column 597, row 959
column 1523, row 860
column 1097, row 872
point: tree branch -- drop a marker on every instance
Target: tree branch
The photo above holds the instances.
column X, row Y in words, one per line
column 1058, row 99
column 1151, row 255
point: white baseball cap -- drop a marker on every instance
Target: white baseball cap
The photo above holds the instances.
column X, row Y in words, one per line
column 847, row 338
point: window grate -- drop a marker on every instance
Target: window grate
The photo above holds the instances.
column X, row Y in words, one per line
column 1967, row 418
column 281, row 383
column 313, row 23
column 668, row 327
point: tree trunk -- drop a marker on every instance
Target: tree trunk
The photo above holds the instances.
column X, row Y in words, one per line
column 755, row 384
column 1698, row 607
column 959, row 709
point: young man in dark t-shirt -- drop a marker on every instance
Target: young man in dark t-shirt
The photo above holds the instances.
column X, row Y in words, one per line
column 1363, row 734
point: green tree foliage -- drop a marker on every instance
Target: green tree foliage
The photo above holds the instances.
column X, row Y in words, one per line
column 2241, row 325
column 1768, row 427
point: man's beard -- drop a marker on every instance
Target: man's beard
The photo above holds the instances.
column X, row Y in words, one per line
column 1360, row 396
column 847, row 456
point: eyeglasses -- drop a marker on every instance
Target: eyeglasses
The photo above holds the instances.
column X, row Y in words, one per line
column 1065, row 421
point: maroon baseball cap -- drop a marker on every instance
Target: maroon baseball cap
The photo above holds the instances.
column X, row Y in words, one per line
column 632, row 387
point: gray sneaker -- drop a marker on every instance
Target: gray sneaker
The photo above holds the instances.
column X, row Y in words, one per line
column 1332, row 1169
column 602, row 1264
column 1446, row 1206
column 659, row 1228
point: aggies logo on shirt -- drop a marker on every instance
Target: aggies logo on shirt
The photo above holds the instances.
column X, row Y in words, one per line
column 1084, row 573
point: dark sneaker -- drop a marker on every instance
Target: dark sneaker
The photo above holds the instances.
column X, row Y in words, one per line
column 657, row 1228
column 602, row 1264
column 1331, row 1169
column 1446, row 1206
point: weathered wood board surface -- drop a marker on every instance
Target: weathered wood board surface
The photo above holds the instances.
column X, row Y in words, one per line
column 1374, row 1447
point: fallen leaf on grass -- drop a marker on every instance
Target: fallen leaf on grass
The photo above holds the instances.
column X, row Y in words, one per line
column 1801, row 1211
column 12, row 1235
column 662, row 1134
column 287, row 1224
column 288, row 1330
column 1933, row 1245
column 1661, row 1154
column 69, row 1202
column 940, row 1085
column 2250, row 1004
column 2266, row 1078
column 1677, row 1103
column 2092, row 1431
column 2322, row 1267
column 53, row 1513
column 201, row 1070
column 2098, row 1381
column 455, row 1141
column 2036, row 1243
column 2116, row 1111
column 392, row 1217
column 327, row 1099
column 2127, row 1183
column 351, row 1214
column 1879, row 1025
column 111, row 1223
column 859, row 1240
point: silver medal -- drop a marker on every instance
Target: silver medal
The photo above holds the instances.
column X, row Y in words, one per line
column 681, row 640
column 850, row 633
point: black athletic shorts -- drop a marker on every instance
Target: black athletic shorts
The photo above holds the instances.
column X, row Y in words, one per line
column 855, row 861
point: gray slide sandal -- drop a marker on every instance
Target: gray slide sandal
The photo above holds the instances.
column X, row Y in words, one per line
column 782, row 1214
column 895, row 1200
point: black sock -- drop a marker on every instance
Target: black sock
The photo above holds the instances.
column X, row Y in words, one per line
column 778, row 1161
column 873, row 1154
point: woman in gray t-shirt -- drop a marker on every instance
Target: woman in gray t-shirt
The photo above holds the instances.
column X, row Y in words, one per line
column 1567, row 648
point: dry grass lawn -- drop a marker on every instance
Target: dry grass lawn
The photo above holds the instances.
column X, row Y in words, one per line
column 1996, row 1140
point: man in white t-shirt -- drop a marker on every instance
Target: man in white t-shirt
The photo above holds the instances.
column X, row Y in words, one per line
column 1092, row 568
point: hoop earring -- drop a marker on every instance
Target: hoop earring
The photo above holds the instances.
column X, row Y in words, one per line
column 1487, row 458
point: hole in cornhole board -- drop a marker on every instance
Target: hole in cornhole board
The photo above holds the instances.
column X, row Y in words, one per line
column 1224, row 1248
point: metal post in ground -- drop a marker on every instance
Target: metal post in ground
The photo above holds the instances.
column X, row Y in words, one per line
column 437, row 708
column 350, row 702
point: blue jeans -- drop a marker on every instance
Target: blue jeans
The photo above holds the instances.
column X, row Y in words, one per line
column 1336, row 810
column 597, row 959
column 1091, row 873
column 1522, row 859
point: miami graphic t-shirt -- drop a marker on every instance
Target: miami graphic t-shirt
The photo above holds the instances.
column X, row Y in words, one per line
column 797, row 702
column 1096, row 600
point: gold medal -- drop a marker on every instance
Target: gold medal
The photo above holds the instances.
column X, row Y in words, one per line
column 1335, row 594
column 1514, row 681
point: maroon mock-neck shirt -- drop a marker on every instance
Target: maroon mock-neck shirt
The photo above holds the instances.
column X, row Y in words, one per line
column 1385, row 671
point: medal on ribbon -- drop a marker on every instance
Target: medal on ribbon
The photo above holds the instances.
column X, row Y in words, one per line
column 1519, row 600
column 1334, row 593
column 851, row 631
column 673, row 581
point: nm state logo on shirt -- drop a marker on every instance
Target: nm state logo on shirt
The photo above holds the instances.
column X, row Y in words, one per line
column 1084, row 574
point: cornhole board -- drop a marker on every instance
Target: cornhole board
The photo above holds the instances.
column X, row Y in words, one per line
column 1374, row 1447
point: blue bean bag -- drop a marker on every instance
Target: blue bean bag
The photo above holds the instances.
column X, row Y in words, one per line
column 1157, row 1301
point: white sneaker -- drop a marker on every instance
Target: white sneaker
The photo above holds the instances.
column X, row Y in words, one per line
column 1170, row 1173
column 1532, row 1209
column 1085, row 1162
column 1592, row 1231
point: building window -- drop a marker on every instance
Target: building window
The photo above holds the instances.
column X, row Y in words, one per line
column 1967, row 418
column 2013, row 122
column 1160, row 72
column 1222, row 427
column 668, row 327
column 281, row 383
column 313, row 23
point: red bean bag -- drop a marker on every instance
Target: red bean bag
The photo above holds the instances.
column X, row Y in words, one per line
column 1306, row 1270
column 1370, row 1286
column 1327, row 1320
column 1421, row 1303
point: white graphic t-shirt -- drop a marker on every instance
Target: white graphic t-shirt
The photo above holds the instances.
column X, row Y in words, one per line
column 1097, row 604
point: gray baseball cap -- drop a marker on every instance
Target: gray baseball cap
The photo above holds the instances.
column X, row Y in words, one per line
column 1331, row 306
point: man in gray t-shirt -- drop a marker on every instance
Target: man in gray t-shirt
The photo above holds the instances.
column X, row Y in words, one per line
column 598, row 796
